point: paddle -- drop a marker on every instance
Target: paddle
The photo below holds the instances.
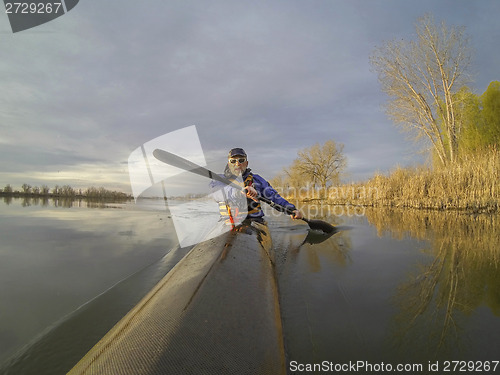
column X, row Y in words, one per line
column 178, row 162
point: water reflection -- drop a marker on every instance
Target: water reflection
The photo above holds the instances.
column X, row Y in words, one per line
column 398, row 286
column 335, row 250
column 54, row 259
column 461, row 276
column 307, row 274
column 319, row 249
column 65, row 202
column 401, row 285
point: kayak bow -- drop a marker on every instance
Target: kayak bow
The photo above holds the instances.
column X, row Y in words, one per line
column 215, row 312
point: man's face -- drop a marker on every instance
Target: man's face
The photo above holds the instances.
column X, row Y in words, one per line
column 237, row 164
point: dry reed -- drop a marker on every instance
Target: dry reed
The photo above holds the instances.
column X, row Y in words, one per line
column 473, row 184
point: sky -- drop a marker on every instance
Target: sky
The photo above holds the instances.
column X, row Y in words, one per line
column 82, row 92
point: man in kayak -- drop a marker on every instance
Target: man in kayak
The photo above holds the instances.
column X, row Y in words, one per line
column 253, row 184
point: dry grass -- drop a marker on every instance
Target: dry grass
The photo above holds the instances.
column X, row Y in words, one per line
column 472, row 185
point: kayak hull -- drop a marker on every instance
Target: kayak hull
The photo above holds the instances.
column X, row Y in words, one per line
column 215, row 312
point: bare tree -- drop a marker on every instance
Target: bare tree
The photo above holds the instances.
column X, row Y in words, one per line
column 8, row 189
column 420, row 77
column 45, row 190
column 26, row 188
column 321, row 164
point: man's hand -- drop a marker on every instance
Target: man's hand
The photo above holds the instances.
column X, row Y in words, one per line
column 297, row 215
column 251, row 193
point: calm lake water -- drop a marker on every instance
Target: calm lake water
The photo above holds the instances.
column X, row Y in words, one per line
column 398, row 287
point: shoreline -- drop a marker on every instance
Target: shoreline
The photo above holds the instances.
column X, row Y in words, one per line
column 471, row 207
column 20, row 195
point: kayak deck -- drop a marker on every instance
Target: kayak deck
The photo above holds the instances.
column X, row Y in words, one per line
column 215, row 312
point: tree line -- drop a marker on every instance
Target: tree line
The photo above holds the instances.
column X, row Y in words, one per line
column 64, row 191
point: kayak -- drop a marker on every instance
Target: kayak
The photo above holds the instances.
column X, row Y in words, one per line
column 215, row 312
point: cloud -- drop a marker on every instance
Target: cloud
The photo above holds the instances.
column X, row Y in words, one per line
column 272, row 77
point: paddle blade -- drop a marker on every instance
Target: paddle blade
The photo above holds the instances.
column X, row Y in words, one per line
column 321, row 225
column 315, row 237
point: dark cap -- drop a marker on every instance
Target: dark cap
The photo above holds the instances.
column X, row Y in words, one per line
column 237, row 151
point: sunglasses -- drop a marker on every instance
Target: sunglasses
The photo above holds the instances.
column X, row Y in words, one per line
column 240, row 160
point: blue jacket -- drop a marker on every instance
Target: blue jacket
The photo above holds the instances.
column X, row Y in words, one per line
column 222, row 192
